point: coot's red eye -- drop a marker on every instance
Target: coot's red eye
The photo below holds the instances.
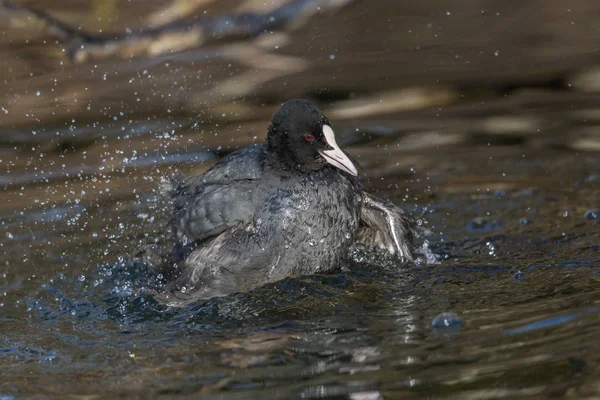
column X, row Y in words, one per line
column 309, row 137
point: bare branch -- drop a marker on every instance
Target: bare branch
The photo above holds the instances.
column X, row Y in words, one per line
column 172, row 37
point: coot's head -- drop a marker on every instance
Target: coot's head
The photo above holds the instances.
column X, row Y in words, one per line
column 302, row 138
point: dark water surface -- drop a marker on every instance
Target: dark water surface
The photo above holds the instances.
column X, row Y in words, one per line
column 482, row 118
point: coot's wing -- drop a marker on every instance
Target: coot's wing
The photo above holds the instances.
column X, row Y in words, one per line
column 208, row 204
column 233, row 261
column 384, row 225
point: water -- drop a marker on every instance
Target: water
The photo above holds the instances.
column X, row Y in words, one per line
column 484, row 132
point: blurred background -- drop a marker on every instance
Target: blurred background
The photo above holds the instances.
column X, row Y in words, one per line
column 414, row 76
column 482, row 117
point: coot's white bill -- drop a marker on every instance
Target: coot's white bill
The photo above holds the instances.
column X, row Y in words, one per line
column 336, row 156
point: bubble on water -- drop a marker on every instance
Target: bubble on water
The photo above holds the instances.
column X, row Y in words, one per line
column 524, row 221
column 48, row 359
column 447, row 324
column 332, row 56
column 73, row 312
column 9, row 235
column 38, row 93
column 183, row 289
column 312, row 242
column 592, row 214
column 518, row 275
column 565, row 213
column 348, row 235
column 497, row 53
column 81, row 278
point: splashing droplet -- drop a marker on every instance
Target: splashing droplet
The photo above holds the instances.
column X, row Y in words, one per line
column 491, row 249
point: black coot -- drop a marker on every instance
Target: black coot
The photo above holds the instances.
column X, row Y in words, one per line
column 290, row 206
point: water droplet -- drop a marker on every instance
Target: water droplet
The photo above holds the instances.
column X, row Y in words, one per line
column 592, row 214
column 491, row 248
column 332, row 56
column 81, row 278
column 430, row 257
column 38, row 93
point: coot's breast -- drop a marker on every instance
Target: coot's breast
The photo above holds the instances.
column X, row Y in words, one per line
column 311, row 221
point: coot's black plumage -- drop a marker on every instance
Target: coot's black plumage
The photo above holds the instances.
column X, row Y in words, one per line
column 290, row 206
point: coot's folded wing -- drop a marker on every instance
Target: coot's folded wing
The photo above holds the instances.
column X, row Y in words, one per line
column 212, row 209
column 208, row 204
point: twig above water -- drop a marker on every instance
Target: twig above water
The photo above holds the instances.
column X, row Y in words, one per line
column 172, row 37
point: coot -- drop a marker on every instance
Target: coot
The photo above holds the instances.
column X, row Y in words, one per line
column 290, row 206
